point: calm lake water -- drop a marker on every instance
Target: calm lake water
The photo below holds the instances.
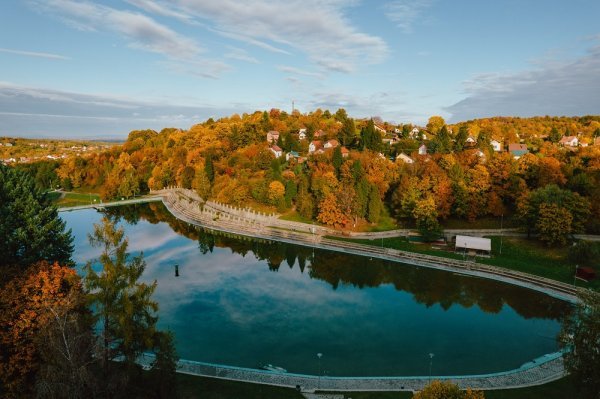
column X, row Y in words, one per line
column 246, row 303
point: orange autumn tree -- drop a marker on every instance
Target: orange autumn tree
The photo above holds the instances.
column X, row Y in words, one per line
column 446, row 390
column 27, row 304
column 330, row 212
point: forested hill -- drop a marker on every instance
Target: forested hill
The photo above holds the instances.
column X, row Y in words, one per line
column 341, row 171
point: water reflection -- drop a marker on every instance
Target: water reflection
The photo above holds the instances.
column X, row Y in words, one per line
column 248, row 302
column 427, row 286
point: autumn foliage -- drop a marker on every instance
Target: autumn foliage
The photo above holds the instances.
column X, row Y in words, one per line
column 27, row 304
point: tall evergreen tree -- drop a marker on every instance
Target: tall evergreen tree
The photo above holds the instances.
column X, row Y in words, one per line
column 30, row 228
column 124, row 309
column 209, row 168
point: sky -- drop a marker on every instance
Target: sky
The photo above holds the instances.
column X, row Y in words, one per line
column 98, row 69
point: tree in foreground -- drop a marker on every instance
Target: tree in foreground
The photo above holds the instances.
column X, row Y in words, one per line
column 124, row 311
column 30, row 228
column 580, row 337
column 29, row 306
column 446, row 390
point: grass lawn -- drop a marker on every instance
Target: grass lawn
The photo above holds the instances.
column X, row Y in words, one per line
column 53, row 196
column 77, row 199
column 212, row 388
column 561, row 389
column 294, row 216
column 528, row 256
column 481, row 223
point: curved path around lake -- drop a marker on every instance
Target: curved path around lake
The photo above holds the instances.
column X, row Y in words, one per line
column 188, row 207
column 541, row 370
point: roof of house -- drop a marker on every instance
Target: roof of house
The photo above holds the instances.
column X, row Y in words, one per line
column 566, row 139
column 276, row 148
column 479, row 243
column 319, row 133
column 517, row 147
column 345, row 150
column 317, row 143
column 333, row 142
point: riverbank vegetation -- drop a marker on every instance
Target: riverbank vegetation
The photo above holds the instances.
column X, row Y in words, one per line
column 49, row 344
column 346, row 173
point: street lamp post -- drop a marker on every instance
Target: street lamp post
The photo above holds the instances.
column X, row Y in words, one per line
column 319, row 355
column 501, row 232
column 430, row 365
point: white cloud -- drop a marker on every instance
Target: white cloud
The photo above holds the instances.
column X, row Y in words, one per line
column 163, row 9
column 556, row 88
column 406, row 13
column 57, row 113
column 240, row 55
column 298, row 71
column 318, row 28
column 34, row 54
column 142, row 31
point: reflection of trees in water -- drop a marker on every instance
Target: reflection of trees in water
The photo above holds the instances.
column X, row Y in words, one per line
column 428, row 286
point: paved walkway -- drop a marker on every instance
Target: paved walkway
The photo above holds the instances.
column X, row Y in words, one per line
column 153, row 198
column 186, row 207
column 542, row 370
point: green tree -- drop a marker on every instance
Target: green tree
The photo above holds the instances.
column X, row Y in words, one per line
column 123, row 308
column 554, row 224
column 209, row 168
column 425, row 215
column 375, row 206
column 337, row 158
column 530, row 205
column 370, row 138
column 554, row 135
column 580, row 337
column 30, row 228
column 461, row 137
column 347, row 133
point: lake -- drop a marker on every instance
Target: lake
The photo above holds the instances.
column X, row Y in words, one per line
column 244, row 302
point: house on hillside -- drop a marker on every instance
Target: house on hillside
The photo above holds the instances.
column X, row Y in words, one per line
column 423, row 149
column 496, row 145
column 302, row 134
column 331, row 144
column 345, row 152
column 314, row 146
column 380, row 128
column 273, row 136
column 291, row 155
column 402, row 157
column 470, row 141
column 569, row 141
column 276, row 150
column 318, row 134
column 415, row 133
column 517, row 150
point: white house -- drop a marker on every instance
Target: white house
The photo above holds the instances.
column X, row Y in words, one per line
column 314, row 146
column 423, row 149
column 276, row 150
column 302, row 134
column 414, row 133
column 402, row 157
column 496, row 145
column 569, row 141
column 470, row 140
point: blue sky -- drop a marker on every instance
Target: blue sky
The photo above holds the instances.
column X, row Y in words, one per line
column 101, row 68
